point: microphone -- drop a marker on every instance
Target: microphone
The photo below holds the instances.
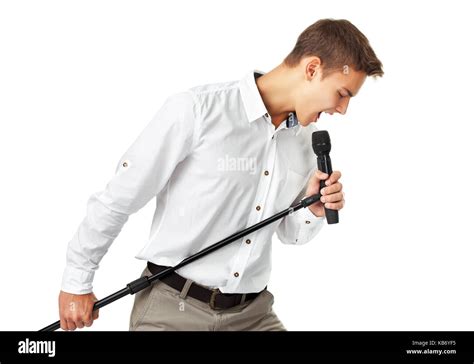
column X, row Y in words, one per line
column 322, row 147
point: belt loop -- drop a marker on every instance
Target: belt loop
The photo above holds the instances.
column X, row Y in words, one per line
column 184, row 291
column 242, row 300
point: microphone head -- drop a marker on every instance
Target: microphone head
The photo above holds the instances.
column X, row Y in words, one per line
column 321, row 142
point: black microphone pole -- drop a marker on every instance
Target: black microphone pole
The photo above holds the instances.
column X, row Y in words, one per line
column 145, row 281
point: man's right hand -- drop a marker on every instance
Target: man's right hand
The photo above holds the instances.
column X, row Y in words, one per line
column 75, row 310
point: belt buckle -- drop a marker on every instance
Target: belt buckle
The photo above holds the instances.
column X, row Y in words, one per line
column 212, row 301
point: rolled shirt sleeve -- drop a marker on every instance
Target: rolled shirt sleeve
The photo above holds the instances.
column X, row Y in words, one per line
column 142, row 172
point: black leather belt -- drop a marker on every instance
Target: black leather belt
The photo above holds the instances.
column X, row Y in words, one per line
column 214, row 297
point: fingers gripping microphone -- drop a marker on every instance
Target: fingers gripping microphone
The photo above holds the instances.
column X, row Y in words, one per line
column 322, row 147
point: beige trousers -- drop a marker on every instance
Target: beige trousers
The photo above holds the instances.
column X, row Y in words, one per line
column 161, row 307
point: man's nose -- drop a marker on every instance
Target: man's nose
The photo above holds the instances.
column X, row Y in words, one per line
column 343, row 105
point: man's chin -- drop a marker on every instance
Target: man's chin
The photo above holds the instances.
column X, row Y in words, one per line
column 306, row 123
column 310, row 120
column 315, row 119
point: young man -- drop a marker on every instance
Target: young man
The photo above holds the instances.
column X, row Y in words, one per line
column 219, row 158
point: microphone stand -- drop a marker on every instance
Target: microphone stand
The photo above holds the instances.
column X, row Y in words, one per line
column 143, row 282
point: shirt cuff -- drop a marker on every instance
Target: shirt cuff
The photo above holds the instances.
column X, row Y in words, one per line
column 309, row 225
column 307, row 215
column 77, row 281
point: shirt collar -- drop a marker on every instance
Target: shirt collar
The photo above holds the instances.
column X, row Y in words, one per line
column 293, row 123
column 253, row 103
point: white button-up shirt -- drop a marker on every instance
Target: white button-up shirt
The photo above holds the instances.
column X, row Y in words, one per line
column 216, row 165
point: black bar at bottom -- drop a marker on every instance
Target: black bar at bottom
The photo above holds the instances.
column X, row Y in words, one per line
column 425, row 346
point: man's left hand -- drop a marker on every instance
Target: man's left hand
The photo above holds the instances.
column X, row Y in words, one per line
column 332, row 196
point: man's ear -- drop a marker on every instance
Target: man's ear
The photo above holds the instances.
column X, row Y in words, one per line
column 313, row 67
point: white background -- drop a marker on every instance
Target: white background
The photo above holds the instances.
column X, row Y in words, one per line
column 79, row 80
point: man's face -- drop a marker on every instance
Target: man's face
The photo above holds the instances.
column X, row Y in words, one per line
column 330, row 95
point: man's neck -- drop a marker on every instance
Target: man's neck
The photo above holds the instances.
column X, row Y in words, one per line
column 276, row 88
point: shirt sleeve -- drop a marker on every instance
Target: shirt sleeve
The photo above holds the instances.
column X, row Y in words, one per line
column 301, row 226
column 142, row 172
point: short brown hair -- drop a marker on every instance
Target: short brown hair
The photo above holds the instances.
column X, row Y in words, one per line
column 337, row 43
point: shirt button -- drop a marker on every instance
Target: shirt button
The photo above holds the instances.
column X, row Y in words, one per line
column 308, row 222
column 258, row 208
column 125, row 164
column 266, row 114
column 236, row 274
column 266, row 173
column 248, row 241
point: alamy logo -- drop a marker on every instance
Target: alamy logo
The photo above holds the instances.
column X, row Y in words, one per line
column 37, row 347
column 237, row 164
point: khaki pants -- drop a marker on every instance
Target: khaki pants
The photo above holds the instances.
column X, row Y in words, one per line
column 160, row 307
